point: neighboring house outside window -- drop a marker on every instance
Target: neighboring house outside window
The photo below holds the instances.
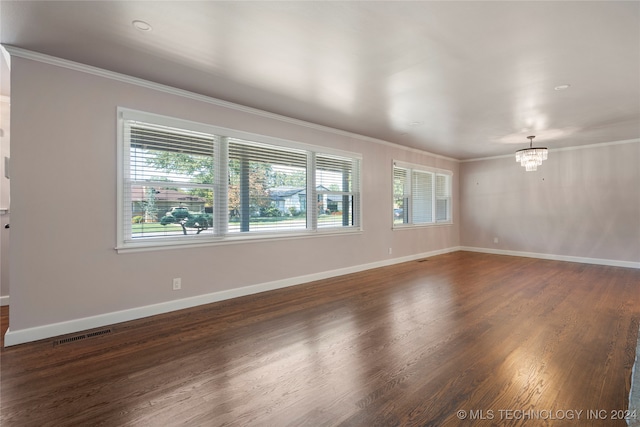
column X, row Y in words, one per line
column 292, row 200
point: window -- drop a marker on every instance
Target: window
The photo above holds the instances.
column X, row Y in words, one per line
column 170, row 174
column 336, row 190
column 443, row 198
column 185, row 182
column 267, row 187
column 421, row 195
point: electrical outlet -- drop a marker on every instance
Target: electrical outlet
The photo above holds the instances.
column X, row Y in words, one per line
column 496, row 240
column 177, row 284
column 390, row 251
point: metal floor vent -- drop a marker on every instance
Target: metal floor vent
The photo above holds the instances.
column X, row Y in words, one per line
column 82, row 336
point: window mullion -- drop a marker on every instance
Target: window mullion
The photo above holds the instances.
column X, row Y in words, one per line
column 434, row 198
column 245, row 196
column 312, row 197
column 221, row 187
column 125, row 184
column 410, row 193
column 356, row 193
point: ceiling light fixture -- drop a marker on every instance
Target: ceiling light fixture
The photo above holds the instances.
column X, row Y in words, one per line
column 562, row 87
column 141, row 25
column 531, row 157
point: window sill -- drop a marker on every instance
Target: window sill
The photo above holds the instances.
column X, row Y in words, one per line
column 199, row 242
column 414, row 226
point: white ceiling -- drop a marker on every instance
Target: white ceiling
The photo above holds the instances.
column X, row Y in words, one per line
column 460, row 79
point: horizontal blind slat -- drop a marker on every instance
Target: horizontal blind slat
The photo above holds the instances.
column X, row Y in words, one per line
column 263, row 153
column 148, row 142
column 160, row 138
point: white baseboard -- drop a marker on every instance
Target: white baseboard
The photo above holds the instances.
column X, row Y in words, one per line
column 4, row 300
column 47, row 331
column 611, row 262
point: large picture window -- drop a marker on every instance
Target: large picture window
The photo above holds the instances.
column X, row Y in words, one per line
column 421, row 195
column 185, row 182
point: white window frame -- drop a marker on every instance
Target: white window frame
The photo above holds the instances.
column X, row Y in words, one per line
column 409, row 192
column 126, row 243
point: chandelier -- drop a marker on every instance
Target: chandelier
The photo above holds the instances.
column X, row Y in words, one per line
column 531, row 157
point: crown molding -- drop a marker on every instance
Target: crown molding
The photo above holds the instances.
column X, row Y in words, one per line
column 555, row 150
column 112, row 75
column 9, row 50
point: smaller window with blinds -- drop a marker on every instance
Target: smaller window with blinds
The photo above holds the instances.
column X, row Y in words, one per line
column 337, row 198
column 182, row 182
column 421, row 195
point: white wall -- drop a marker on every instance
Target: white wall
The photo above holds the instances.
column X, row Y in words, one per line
column 63, row 264
column 581, row 203
column 5, row 201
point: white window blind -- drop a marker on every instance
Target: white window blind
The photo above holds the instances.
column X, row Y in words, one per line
column 422, row 197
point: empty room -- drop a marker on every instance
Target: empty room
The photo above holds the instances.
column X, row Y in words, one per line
column 384, row 213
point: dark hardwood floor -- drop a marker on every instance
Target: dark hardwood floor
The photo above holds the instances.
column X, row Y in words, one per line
column 460, row 339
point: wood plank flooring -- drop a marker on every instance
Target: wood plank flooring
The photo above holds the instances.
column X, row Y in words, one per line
column 510, row 341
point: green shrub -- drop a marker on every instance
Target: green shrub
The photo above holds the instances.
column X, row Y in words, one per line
column 137, row 219
column 167, row 219
column 179, row 213
column 200, row 222
column 271, row 211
